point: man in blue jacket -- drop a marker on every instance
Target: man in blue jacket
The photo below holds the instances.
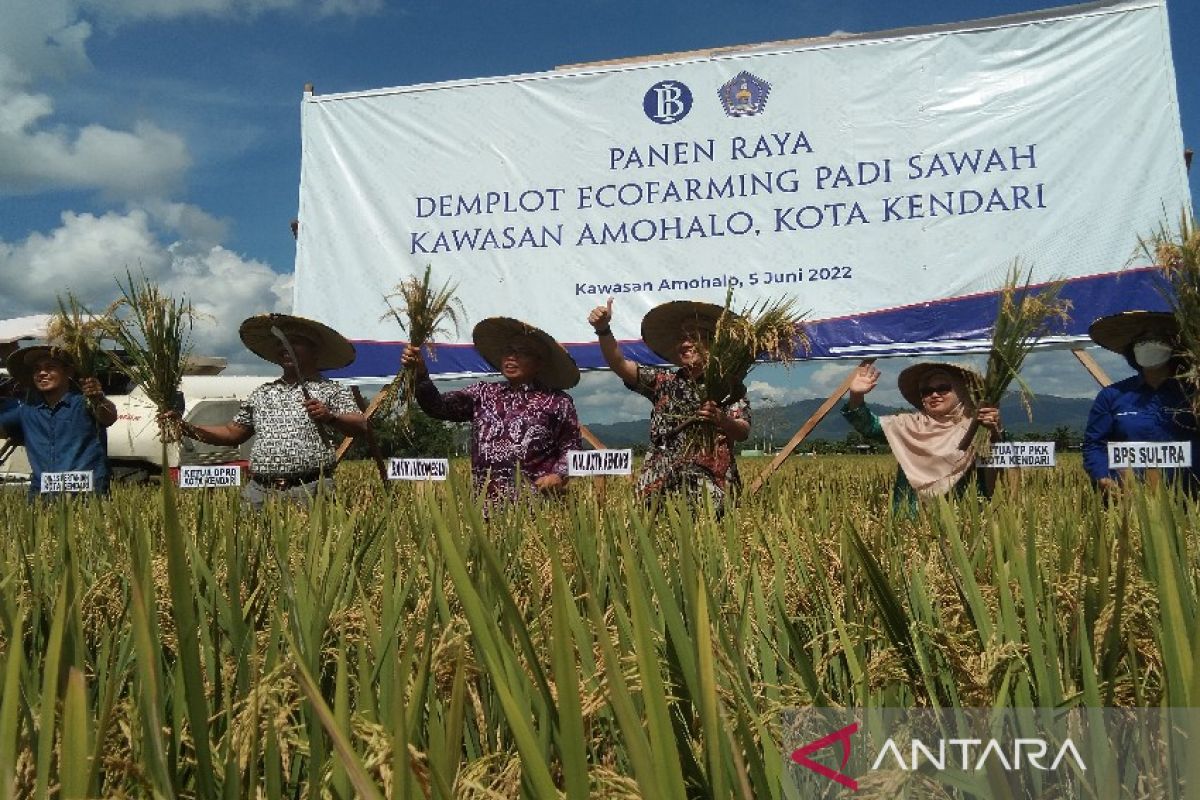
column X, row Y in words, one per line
column 1153, row 405
column 63, row 428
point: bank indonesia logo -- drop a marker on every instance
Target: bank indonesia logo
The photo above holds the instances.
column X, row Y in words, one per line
column 744, row 95
column 667, row 102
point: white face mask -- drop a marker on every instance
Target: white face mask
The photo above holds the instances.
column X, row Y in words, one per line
column 1151, row 354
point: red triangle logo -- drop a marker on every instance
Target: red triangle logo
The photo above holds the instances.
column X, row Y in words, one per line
column 800, row 756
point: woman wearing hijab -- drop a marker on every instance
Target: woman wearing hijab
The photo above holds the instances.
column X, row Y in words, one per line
column 925, row 442
column 1150, row 406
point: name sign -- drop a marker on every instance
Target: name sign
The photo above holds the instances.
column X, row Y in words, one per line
column 57, row 482
column 1013, row 455
column 209, row 476
column 418, row 469
column 1141, row 455
column 599, row 462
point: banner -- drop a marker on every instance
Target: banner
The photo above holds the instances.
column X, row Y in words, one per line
column 887, row 181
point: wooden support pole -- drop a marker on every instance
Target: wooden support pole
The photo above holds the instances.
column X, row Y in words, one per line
column 372, row 443
column 806, row 429
column 369, row 411
column 1089, row 363
column 599, row 482
column 590, row 438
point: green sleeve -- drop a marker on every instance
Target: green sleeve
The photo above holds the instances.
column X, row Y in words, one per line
column 863, row 420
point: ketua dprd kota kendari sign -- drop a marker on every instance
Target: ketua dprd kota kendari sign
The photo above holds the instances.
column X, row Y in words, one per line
column 888, row 181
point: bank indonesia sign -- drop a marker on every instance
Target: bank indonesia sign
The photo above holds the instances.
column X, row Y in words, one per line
column 667, row 102
column 886, row 181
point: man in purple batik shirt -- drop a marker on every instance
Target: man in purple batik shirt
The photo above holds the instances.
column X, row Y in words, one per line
column 526, row 424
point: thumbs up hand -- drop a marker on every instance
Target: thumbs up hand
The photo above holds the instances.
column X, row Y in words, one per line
column 600, row 317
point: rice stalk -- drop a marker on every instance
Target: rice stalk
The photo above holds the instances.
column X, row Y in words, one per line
column 1022, row 319
column 1176, row 255
column 77, row 333
column 152, row 331
column 771, row 330
column 427, row 312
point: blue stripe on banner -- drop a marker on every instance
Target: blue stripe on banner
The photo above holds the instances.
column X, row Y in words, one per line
column 912, row 330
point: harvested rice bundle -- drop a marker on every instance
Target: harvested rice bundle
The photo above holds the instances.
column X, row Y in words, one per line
column 1024, row 316
column 426, row 313
column 1176, row 254
column 771, row 329
column 152, row 330
column 77, row 332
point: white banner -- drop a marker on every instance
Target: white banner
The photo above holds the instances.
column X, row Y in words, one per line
column 1016, row 455
column 886, row 181
column 1141, row 455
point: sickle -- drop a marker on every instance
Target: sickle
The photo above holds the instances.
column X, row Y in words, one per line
column 287, row 346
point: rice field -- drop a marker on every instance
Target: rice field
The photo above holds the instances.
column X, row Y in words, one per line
column 395, row 644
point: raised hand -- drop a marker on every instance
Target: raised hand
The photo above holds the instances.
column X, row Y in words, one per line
column 600, row 317
column 863, row 381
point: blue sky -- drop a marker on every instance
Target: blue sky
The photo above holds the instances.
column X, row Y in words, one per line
column 164, row 134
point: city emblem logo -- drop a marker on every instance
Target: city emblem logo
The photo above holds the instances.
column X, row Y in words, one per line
column 744, row 95
column 667, row 102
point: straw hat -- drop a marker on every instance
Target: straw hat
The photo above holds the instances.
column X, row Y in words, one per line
column 332, row 349
column 1118, row 331
column 493, row 336
column 20, row 363
column 909, row 382
column 663, row 325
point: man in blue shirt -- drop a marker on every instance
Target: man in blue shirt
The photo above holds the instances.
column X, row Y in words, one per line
column 1151, row 406
column 63, row 429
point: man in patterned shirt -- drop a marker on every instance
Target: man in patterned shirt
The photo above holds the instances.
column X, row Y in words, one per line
column 679, row 332
column 292, row 418
column 526, row 424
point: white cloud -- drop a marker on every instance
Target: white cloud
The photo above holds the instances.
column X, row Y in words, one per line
column 774, row 394
column 108, row 12
column 87, row 254
column 42, row 39
column 144, row 162
column 600, row 399
column 350, row 8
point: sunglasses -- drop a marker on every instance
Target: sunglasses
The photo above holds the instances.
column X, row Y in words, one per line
column 941, row 388
column 522, row 351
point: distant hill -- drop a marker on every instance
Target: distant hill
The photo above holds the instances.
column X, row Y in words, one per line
column 778, row 423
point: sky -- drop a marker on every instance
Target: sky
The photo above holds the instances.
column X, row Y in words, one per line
column 163, row 136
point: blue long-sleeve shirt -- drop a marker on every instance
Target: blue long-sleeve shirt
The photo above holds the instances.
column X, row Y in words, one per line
column 1133, row 411
column 60, row 438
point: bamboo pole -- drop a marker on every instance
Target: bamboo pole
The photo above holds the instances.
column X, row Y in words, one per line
column 805, row 429
column 1089, row 363
column 369, row 412
column 599, row 482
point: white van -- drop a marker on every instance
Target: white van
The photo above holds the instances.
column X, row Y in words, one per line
column 133, row 446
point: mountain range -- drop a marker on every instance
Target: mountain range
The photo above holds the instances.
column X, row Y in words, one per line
column 774, row 425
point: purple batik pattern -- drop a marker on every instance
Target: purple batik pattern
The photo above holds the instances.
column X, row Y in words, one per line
column 512, row 426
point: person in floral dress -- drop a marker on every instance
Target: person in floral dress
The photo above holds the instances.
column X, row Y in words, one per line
column 700, row 466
